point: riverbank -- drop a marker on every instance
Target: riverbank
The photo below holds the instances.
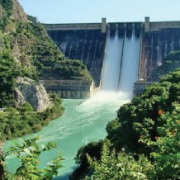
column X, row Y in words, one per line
column 24, row 120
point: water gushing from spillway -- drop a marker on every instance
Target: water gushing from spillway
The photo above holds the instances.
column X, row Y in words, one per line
column 112, row 63
column 121, row 62
column 130, row 64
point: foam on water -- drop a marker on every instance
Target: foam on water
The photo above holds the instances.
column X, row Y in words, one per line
column 102, row 98
column 82, row 122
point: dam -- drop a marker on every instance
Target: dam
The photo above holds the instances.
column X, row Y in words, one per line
column 94, row 43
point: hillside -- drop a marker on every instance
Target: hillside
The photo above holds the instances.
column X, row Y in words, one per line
column 27, row 51
column 27, row 54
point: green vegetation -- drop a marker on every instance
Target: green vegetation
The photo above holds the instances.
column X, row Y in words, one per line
column 142, row 142
column 27, row 51
column 147, row 130
column 162, row 163
column 46, row 56
column 167, row 146
column 93, row 149
column 8, row 72
column 171, row 62
column 34, row 53
column 16, row 122
column 28, row 152
column 120, row 166
column 7, row 5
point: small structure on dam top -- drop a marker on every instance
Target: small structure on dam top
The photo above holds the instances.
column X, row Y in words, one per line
column 72, row 89
column 87, row 42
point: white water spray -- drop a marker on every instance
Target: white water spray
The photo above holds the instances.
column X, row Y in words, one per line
column 112, row 63
column 121, row 62
column 130, row 64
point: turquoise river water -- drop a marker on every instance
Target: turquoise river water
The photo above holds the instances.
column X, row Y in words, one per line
column 83, row 121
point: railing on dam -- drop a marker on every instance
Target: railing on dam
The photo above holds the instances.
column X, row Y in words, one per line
column 77, row 26
column 155, row 26
column 80, row 26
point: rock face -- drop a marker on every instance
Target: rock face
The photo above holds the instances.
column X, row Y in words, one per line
column 27, row 90
column 18, row 12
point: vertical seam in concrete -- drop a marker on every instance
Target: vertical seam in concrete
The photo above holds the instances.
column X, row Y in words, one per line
column 121, row 61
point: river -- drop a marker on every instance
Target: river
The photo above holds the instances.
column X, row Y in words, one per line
column 83, row 121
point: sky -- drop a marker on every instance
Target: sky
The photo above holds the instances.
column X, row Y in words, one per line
column 91, row 11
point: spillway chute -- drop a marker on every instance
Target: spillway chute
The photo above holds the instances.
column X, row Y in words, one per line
column 121, row 59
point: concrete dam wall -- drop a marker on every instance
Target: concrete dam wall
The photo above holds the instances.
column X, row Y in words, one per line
column 158, row 41
column 85, row 42
column 88, row 41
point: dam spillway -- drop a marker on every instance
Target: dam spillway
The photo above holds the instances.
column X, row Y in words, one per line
column 112, row 62
column 121, row 59
column 88, row 42
column 130, row 63
column 91, row 42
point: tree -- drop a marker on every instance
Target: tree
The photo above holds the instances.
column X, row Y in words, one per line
column 93, row 149
column 167, row 151
column 142, row 117
column 119, row 166
column 28, row 152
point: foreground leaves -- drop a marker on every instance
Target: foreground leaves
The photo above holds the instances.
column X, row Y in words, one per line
column 28, row 152
column 119, row 166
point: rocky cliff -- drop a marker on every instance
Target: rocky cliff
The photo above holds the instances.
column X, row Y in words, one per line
column 18, row 12
column 27, row 90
